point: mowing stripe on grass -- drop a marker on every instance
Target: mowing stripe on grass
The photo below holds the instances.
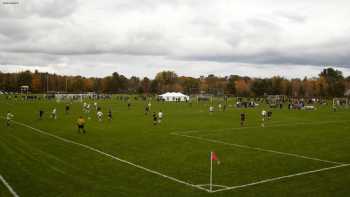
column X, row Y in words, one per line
column 110, row 156
column 257, row 148
column 266, row 126
column 8, row 186
column 281, row 177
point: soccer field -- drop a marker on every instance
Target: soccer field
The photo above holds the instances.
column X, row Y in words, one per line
column 297, row 153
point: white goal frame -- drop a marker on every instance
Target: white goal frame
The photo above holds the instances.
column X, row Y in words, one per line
column 340, row 102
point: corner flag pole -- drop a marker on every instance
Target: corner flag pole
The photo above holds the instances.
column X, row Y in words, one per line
column 211, row 171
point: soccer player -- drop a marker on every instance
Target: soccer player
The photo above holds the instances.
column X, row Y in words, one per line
column 154, row 118
column 129, row 104
column 54, row 113
column 242, row 119
column 67, row 108
column 263, row 114
column 220, row 107
column 99, row 116
column 109, row 114
column 88, row 108
column 269, row 115
column 146, row 110
column 149, row 105
column 84, row 107
column 9, row 117
column 81, row 124
column 211, row 109
column 160, row 116
column 96, row 106
column 41, row 114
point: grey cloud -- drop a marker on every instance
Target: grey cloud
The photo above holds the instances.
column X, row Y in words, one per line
column 41, row 8
column 219, row 33
column 317, row 56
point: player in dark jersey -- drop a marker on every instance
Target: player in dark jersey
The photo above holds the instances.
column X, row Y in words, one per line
column 109, row 114
column 269, row 115
column 41, row 114
column 242, row 119
column 129, row 105
column 146, row 110
column 67, row 109
column 155, row 118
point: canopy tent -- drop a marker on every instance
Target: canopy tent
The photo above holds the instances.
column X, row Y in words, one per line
column 174, row 96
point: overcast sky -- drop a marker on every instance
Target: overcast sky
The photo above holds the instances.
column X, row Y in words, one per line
column 258, row 38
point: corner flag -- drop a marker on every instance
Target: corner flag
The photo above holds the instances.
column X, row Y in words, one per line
column 215, row 158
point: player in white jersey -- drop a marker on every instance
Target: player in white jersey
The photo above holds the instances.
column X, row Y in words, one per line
column 99, row 116
column 160, row 116
column 54, row 113
column 211, row 109
column 263, row 114
column 84, row 106
column 88, row 108
column 9, row 117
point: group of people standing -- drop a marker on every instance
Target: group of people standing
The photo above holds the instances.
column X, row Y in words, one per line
column 264, row 116
column 157, row 117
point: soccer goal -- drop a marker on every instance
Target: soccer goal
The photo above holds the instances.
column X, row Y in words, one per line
column 341, row 102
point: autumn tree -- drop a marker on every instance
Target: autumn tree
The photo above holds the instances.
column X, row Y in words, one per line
column 146, row 85
column 335, row 81
column 36, row 84
column 166, row 80
column 190, row 85
column 242, row 87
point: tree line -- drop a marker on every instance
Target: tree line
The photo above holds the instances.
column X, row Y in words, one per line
column 329, row 83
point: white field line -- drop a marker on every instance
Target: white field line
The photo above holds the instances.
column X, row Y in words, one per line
column 257, row 148
column 8, row 186
column 110, row 156
column 267, row 125
column 215, row 185
column 281, row 177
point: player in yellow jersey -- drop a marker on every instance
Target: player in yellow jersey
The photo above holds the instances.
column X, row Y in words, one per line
column 81, row 124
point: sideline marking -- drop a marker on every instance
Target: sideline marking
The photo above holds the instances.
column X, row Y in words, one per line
column 8, row 186
column 109, row 155
column 201, row 186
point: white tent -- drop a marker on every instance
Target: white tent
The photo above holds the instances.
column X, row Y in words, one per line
column 174, row 96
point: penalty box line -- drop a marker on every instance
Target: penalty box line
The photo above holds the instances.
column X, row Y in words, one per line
column 257, row 148
column 8, row 186
column 280, row 178
column 110, row 156
column 226, row 188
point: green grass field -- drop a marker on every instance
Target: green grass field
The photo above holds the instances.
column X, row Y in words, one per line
column 298, row 153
